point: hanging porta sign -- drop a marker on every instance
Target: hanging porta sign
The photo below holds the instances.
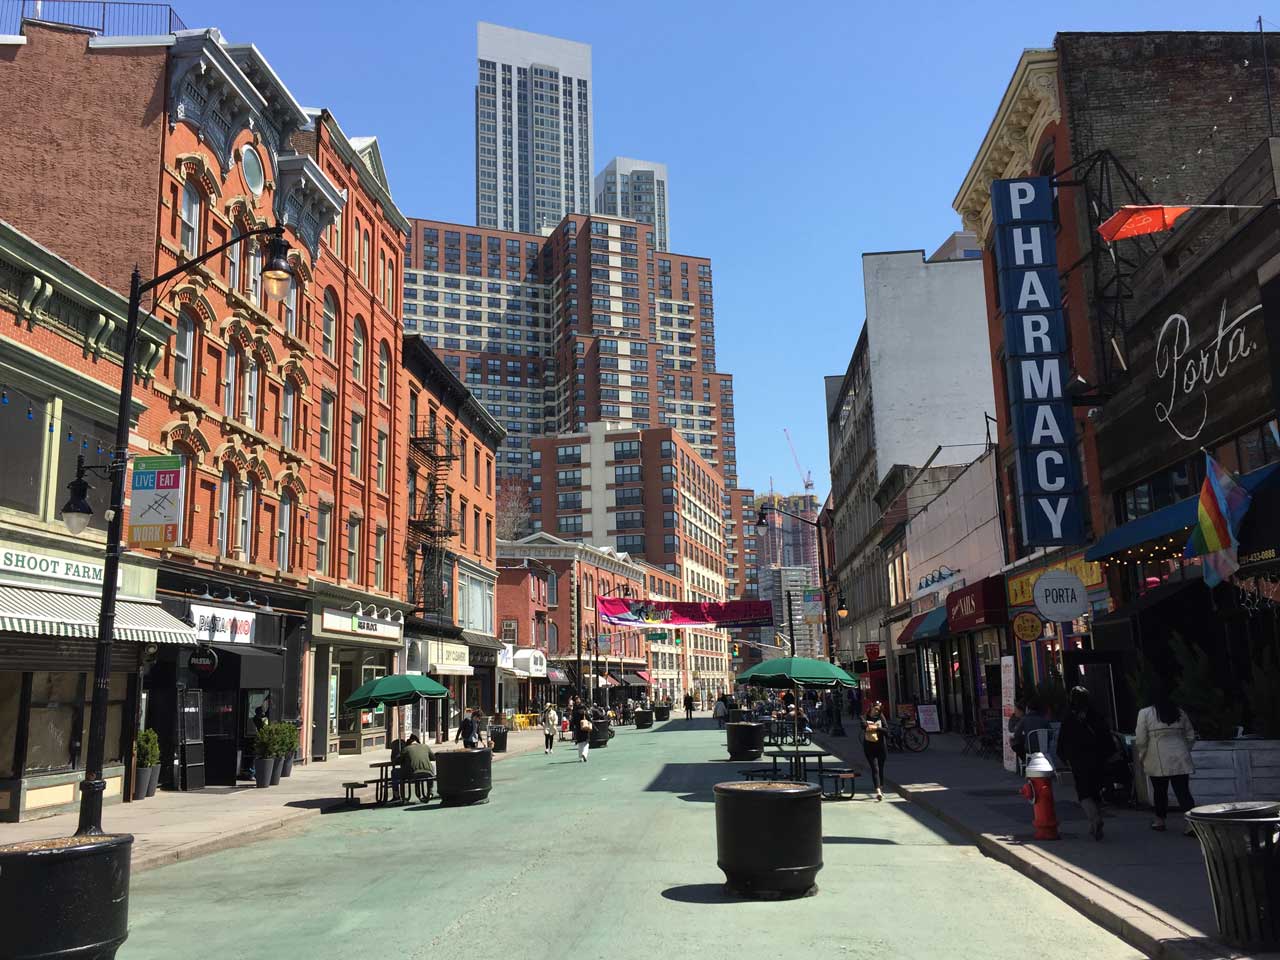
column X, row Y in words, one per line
column 1060, row 596
column 203, row 661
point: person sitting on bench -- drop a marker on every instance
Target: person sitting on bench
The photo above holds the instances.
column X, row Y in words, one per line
column 416, row 757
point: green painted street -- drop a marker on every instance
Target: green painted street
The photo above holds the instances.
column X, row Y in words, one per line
column 611, row 858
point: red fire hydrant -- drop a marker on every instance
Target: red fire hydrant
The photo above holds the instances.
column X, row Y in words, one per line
column 1039, row 790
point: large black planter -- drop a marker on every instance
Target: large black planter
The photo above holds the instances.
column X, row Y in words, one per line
column 781, row 861
column 737, row 715
column 263, row 767
column 662, row 713
column 746, row 740
column 65, row 898
column 644, row 719
column 1241, row 846
column 464, row 776
column 498, row 739
column 600, row 734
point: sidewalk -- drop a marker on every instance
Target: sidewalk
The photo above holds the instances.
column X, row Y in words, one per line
column 1147, row 888
column 175, row 826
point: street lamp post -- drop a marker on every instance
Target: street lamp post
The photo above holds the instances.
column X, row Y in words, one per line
column 276, row 275
column 842, row 610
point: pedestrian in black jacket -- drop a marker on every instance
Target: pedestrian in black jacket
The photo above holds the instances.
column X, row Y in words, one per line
column 581, row 725
column 1086, row 744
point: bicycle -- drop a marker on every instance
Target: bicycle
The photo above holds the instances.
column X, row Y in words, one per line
column 910, row 737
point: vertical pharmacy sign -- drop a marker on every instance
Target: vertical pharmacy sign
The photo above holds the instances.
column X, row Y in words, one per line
column 1037, row 365
column 155, row 503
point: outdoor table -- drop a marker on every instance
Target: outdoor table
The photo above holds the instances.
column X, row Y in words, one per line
column 382, row 790
column 798, row 761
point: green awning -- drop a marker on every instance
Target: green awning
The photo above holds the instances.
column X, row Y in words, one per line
column 51, row 613
column 793, row 671
column 395, row 690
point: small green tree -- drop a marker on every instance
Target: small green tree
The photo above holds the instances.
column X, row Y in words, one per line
column 148, row 748
column 264, row 741
column 1213, row 712
column 284, row 739
column 1262, row 692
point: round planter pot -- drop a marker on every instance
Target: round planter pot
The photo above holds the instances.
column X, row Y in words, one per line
column 277, row 767
column 782, row 861
column 262, row 767
column 737, row 715
column 464, row 776
column 498, row 739
column 644, row 719
column 67, row 897
column 600, row 734
column 141, row 777
column 153, row 779
column 662, row 713
column 745, row 740
column 287, row 769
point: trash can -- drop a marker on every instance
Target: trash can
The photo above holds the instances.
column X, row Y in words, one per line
column 600, row 734
column 498, row 739
column 1241, row 847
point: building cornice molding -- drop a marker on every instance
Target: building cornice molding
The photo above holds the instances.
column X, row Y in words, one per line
column 1030, row 104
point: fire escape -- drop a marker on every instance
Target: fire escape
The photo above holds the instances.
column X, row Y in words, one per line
column 430, row 523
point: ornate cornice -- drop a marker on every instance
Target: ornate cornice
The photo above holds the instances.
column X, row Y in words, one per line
column 1029, row 105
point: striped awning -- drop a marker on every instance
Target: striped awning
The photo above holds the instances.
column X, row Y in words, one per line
column 49, row 613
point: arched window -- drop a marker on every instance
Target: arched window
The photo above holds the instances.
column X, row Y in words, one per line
column 249, row 392
column 246, row 511
column 189, row 234
column 225, row 486
column 183, row 350
column 357, row 352
column 254, row 269
column 288, row 414
column 384, row 372
column 284, row 532
column 553, row 637
column 234, row 275
column 291, row 308
column 329, row 323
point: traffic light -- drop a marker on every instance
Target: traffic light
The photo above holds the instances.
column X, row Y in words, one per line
column 735, row 649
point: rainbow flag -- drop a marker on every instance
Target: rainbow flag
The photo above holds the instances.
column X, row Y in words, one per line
column 1222, row 505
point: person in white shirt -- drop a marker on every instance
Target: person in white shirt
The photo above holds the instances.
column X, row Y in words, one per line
column 1163, row 741
column 550, row 724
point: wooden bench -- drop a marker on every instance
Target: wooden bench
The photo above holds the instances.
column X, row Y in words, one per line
column 757, row 773
column 351, row 787
column 834, row 781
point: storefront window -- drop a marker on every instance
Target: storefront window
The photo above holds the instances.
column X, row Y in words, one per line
column 10, row 701
column 22, row 437
column 372, row 717
column 53, row 738
column 113, row 751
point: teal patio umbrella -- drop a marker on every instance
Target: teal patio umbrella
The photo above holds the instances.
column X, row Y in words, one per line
column 395, row 690
column 797, row 672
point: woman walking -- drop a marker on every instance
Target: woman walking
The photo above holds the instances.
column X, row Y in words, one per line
column 581, row 731
column 550, row 723
column 874, row 731
column 1086, row 744
column 1163, row 740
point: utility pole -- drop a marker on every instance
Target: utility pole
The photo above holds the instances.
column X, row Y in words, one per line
column 791, row 625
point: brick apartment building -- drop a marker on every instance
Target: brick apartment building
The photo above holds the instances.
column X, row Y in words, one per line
column 649, row 494
column 291, row 535
column 451, row 574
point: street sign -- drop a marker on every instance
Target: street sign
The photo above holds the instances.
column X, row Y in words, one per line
column 1060, row 596
column 812, row 606
column 155, row 508
column 654, row 637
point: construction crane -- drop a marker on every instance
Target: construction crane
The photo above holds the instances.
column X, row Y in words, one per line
column 806, row 477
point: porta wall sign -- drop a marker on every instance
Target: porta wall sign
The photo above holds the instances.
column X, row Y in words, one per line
column 1060, row 596
column 1037, row 368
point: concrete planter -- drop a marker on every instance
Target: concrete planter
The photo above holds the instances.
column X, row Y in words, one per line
column 644, row 719
column 67, row 897
column 737, row 715
column 600, row 734
column 662, row 713
column 745, row 740
column 464, row 776
column 779, row 862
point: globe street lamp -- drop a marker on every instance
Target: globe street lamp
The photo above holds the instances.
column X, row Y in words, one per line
column 76, row 512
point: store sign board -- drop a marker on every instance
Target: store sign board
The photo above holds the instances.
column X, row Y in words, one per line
column 978, row 605
column 334, row 620
column 155, row 502
column 1028, row 627
column 447, row 654
column 222, row 625
column 1035, row 343
column 53, row 568
column 927, row 716
column 873, row 651
column 812, row 606
column 203, row 661
column 1060, row 596
column 1008, row 687
column 507, row 656
column 1020, row 586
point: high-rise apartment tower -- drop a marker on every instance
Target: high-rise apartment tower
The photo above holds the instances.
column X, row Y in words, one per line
column 534, row 153
column 638, row 190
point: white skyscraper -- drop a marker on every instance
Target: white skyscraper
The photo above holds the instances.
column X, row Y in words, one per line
column 534, row 153
column 637, row 189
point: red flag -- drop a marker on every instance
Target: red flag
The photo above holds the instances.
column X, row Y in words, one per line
column 1135, row 221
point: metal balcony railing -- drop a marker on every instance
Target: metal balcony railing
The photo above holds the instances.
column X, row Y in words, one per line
column 107, row 19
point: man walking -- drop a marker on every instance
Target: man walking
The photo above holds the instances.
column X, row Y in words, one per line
column 688, row 706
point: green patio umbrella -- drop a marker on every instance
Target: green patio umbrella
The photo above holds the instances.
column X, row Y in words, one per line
column 797, row 672
column 395, row 690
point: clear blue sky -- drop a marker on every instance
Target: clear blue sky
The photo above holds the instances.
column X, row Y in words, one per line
column 798, row 136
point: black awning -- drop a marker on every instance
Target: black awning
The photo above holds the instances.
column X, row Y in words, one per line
column 480, row 641
column 631, row 680
column 259, row 668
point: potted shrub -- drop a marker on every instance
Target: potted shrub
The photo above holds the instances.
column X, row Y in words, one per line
column 147, row 766
column 263, row 763
column 288, row 745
